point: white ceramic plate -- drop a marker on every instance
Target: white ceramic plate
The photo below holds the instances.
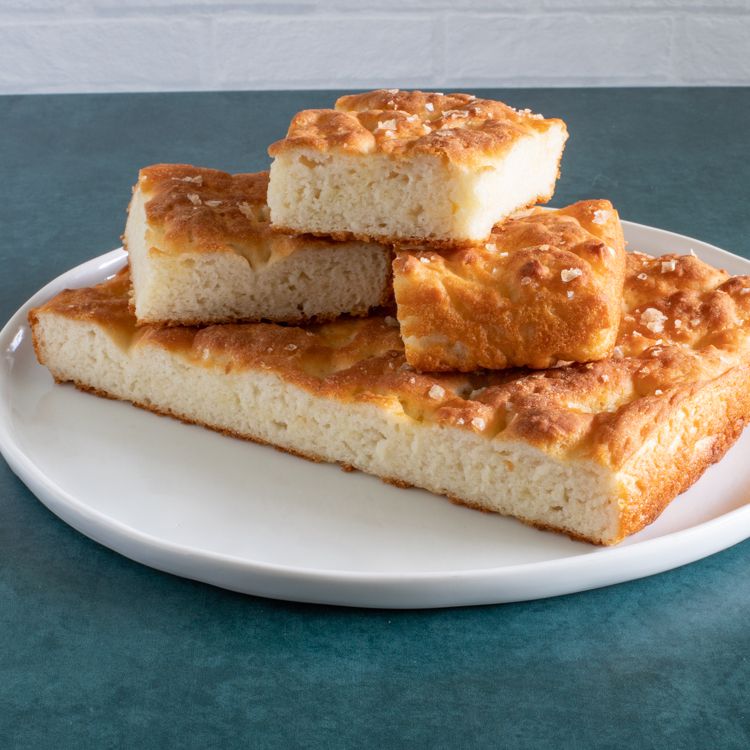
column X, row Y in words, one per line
column 248, row 518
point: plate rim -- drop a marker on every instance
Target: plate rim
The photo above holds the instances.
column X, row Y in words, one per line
column 711, row 535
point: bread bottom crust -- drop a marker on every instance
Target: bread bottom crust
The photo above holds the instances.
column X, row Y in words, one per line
column 657, row 504
column 346, row 467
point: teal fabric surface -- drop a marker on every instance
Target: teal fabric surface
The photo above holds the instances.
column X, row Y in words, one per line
column 100, row 652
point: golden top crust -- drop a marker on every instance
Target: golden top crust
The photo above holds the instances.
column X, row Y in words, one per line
column 685, row 325
column 458, row 127
column 198, row 210
column 546, row 286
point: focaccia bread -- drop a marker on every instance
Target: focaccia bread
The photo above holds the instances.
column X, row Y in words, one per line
column 546, row 287
column 596, row 451
column 201, row 251
column 392, row 165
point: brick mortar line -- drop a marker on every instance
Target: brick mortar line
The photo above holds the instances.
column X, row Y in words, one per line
column 166, row 13
column 77, row 22
column 68, row 21
column 324, row 84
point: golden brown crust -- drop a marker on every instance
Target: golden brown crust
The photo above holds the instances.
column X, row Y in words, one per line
column 198, row 210
column 458, row 127
column 720, row 410
column 546, row 286
column 602, row 411
column 107, row 303
column 670, row 402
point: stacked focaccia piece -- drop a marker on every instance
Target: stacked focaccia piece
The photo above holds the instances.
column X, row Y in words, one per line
column 528, row 365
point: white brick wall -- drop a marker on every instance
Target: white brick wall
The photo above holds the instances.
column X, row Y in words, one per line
column 148, row 45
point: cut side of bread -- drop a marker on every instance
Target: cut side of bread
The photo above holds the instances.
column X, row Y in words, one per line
column 202, row 251
column 595, row 451
column 546, row 287
column 403, row 165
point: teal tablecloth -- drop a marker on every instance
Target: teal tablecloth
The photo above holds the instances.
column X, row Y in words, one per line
column 98, row 652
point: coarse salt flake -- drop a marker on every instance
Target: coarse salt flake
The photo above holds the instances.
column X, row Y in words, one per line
column 194, row 198
column 600, row 216
column 653, row 319
column 291, row 347
column 430, row 107
column 246, row 210
column 478, row 423
column 568, row 274
column 387, row 125
column 525, row 280
column 668, row 265
column 212, row 204
column 424, row 260
column 571, row 295
column 642, row 276
column 436, row 392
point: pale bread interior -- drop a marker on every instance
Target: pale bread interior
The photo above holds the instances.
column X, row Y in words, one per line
column 503, row 476
column 375, row 196
column 206, row 287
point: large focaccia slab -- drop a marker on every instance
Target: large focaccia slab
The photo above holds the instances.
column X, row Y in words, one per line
column 202, row 251
column 595, row 451
column 393, row 165
column 545, row 287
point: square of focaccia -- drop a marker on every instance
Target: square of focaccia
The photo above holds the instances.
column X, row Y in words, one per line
column 596, row 451
column 392, row 165
column 202, row 251
column 546, row 287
